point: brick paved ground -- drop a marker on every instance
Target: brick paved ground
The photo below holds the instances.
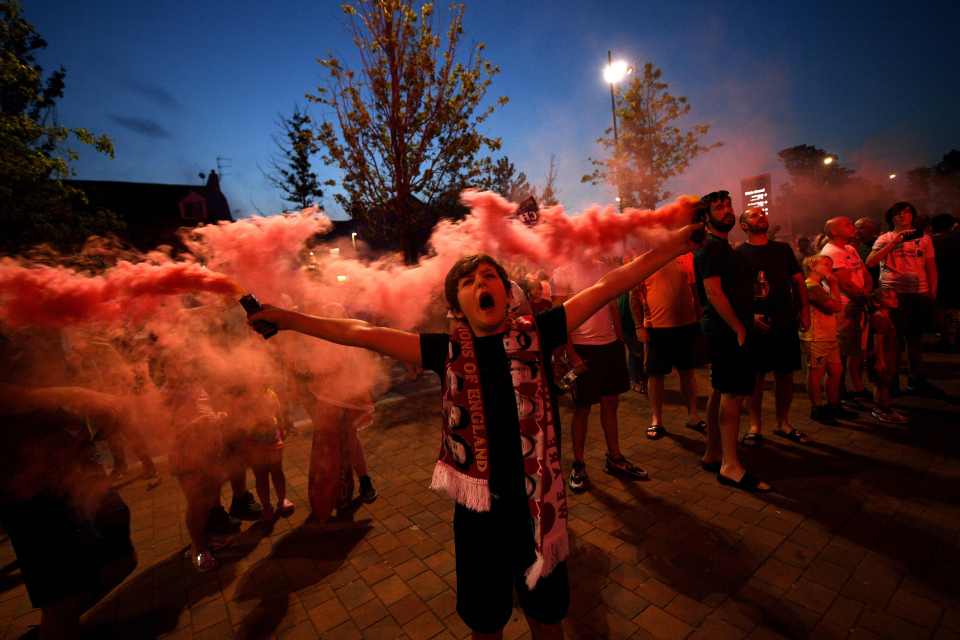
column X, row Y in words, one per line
column 859, row 540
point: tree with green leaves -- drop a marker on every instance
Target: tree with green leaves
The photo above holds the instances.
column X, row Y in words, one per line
column 652, row 147
column 502, row 177
column 404, row 128
column 35, row 204
column 291, row 169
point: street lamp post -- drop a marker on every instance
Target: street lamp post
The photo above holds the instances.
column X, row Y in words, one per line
column 613, row 73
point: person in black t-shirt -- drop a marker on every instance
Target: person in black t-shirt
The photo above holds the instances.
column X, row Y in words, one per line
column 725, row 287
column 495, row 546
column 780, row 310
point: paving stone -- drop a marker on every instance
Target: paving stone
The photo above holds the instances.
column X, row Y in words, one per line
column 912, row 608
column 407, row 608
column 622, row 600
column 423, row 627
column 661, row 624
column 328, row 615
column 368, row 613
column 811, row 595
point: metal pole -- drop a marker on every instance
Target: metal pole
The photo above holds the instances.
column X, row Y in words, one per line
column 616, row 137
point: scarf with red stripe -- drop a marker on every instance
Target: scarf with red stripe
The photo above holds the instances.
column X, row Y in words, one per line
column 463, row 468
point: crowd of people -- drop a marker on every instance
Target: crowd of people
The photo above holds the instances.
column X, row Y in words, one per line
column 847, row 308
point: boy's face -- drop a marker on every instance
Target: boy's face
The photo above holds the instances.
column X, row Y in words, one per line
column 483, row 300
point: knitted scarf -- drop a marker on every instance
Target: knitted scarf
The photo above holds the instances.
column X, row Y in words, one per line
column 463, row 469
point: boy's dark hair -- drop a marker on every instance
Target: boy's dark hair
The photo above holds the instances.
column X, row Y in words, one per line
column 464, row 267
column 896, row 209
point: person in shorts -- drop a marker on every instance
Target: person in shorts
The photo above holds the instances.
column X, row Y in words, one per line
column 667, row 317
column 597, row 342
column 780, row 310
column 499, row 458
column 725, row 287
column 883, row 354
column 819, row 340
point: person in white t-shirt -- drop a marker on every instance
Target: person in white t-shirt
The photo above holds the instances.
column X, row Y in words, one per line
column 597, row 341
column 855, row 285
column 908, row 266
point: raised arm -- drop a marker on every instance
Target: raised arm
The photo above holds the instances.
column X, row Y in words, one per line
column 588, row 301
column 402, row 345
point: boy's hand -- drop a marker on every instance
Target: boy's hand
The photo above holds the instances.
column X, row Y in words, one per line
column 275, row 315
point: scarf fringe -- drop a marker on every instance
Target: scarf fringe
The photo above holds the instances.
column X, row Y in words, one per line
column 473, row 493
column 553, row 554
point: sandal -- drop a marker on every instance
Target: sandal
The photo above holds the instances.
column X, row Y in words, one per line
column 710, row 467
column 752, row 439
column 699, row 425
column 746, row 483
column 655, row 431
column 793, row 434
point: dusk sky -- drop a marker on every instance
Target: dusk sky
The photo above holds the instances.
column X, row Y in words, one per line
column 177, row 84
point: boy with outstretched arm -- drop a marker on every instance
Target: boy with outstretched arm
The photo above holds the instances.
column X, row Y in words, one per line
column 499, row 459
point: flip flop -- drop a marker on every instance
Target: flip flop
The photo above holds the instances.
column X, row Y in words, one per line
column 655, row 431
column 746, row 483
column 794, row 434
column 752, row 439
column 699, row 425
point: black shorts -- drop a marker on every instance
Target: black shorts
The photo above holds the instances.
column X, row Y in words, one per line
column 490, row 566
column 913, row 315
column 732, row 370
column 777, row 351
column 606, row 373
column 672, row 347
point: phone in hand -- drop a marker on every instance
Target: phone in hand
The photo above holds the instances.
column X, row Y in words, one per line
column 251, row 305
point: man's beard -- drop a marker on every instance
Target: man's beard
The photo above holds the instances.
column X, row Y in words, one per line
column 756, row 228
column 724, row 225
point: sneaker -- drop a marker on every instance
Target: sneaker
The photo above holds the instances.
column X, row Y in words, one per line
column 578, row 478
column 841, row 412
column 823, row 415
column 204, row 561
column 889, row 416
column 245, row 507
column 624, row 468
column 219, row 522
column 367, row 493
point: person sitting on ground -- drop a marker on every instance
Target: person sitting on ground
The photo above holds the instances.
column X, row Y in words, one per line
column 883, row 355
column 820, row 346
column 667, row 318
column 499, row 456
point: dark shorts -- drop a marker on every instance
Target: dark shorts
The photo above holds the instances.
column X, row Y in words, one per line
column 672, row 347
column 490, row 568
column 851, row 329
column 606, row 373
column 914, row 314
column 777, row 351
column 732, row 370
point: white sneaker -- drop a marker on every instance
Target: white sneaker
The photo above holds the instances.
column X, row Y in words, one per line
column 889, row 416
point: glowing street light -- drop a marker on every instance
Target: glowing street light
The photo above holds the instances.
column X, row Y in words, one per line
column 829, row 160
column 615, row 72
column 892, row 176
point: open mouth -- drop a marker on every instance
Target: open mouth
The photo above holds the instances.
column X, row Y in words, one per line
column 486, row 301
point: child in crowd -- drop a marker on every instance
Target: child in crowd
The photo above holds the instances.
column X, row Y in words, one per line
column 820, row 344
column 884, row 354
column 265, row 452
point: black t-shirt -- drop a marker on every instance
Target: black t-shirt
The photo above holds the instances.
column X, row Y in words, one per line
column 717, row 258
column 507, row 486
column 779, row 265
column 946, row 248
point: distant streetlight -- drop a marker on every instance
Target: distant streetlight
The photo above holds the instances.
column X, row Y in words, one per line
column 353, row 239
column 829, row 160
column 892, row 176
column 613, row 73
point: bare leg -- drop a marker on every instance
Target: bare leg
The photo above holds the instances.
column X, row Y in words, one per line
column 610, row 424
column 279, row 482
column 357, row 458
column 581, row 416
column 834, row 378
column 784, row 398
column 688, row 386
column 261, row 475
column 543, row 631
column 655, row 390
column 855, row 371
column 729, row 430
column 756, row 405
column 714, row 452
column 814, row 378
